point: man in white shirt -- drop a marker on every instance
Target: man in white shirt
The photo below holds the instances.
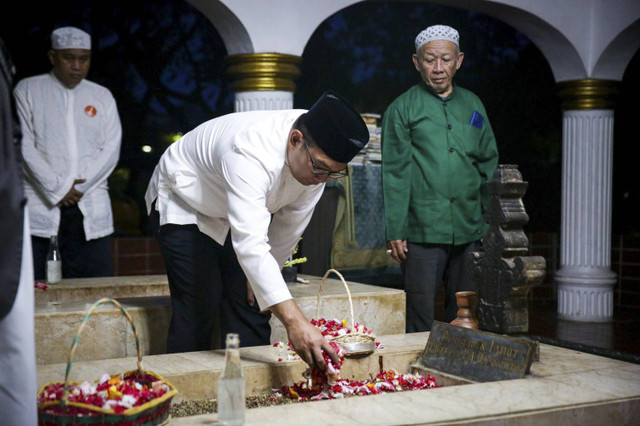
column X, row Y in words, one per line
column 232, row 198
column 71, row 144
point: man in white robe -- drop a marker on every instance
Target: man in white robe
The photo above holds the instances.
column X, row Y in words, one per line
column 71, row 144
column 232, row 198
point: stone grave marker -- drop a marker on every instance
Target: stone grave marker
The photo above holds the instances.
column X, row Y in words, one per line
column 476, row 355
column 501, row 268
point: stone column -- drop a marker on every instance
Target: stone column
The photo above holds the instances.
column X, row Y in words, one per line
column 585, row 280
column 263, row 81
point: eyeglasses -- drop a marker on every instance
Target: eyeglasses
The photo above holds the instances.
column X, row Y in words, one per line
column 324, row 172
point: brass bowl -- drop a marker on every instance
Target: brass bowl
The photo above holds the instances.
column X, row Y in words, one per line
column 358, row 348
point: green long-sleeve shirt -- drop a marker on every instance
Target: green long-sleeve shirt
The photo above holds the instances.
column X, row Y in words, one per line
column 437, row 155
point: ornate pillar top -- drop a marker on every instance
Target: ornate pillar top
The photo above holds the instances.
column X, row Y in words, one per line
column 588, row 93
column 263, row 72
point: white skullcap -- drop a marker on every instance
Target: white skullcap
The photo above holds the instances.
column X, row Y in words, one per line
column 70, row 38
column 437, row 32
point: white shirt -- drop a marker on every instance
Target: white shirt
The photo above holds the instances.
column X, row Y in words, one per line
column 230, row 173
column 67, row 134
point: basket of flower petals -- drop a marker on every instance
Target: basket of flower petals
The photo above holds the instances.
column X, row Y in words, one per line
column 137, row 397
column 357, row 340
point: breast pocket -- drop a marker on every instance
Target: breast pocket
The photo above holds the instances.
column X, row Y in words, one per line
column 470, row 141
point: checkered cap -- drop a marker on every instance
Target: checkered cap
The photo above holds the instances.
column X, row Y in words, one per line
column 70, row 38
column 437, row 32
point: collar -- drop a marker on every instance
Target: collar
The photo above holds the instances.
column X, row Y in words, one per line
column 59, row 83
column 433, row 93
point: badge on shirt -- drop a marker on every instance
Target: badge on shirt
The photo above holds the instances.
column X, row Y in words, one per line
column 90, row 110
column 476, row 120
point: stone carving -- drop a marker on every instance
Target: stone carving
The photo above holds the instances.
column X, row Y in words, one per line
column 503, row 271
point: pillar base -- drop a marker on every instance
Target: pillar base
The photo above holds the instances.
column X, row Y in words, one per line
column 585, row 295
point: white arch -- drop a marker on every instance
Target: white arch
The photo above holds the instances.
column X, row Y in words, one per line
column 615, row 58
column 579, row 38
column 257, row 26
column 233, row 32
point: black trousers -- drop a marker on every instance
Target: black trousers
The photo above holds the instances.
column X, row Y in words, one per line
column 426, row 266
column 80, row 258
column 207, row 284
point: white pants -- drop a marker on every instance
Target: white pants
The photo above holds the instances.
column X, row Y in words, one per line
column 18, row 399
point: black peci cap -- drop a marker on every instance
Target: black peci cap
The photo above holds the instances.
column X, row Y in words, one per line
column 336, row 127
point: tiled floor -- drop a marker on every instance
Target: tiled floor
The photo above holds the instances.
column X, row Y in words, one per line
column 619, row 338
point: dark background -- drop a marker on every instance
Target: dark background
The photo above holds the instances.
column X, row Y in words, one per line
column 163, row 62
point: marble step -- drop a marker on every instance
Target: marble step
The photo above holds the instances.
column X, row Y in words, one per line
column 107, row 334
column 92, row 289
column 196, row 374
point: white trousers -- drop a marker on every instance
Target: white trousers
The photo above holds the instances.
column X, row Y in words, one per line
column 18, row 399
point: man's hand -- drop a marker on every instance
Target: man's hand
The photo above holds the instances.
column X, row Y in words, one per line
column 307, row 340
column 397, row 249
column 73, row 196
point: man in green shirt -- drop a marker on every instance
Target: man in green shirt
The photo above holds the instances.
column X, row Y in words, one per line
column 438, row 152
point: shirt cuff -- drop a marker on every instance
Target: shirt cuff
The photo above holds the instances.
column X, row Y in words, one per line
column 273, row 298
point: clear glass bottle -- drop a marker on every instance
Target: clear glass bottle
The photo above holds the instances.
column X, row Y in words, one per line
column 231, row 386
column 54, row 262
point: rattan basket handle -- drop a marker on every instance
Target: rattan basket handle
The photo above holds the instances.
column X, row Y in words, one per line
column 353, row 323
column 65, row 393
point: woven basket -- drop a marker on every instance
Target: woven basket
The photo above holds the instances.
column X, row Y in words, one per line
column 355, row 342
column 64, row 412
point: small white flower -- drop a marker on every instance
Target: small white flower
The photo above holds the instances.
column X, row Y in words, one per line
column 128, row 401
column 109, row 404
column 105, row 377
column 87, row 388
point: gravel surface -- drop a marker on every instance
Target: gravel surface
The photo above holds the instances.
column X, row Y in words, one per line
column 206, row 406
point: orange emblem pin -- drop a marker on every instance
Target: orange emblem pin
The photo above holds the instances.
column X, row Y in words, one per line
column 90, row 110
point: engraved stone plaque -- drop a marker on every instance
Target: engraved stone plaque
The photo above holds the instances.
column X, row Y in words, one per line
column 476, row 355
